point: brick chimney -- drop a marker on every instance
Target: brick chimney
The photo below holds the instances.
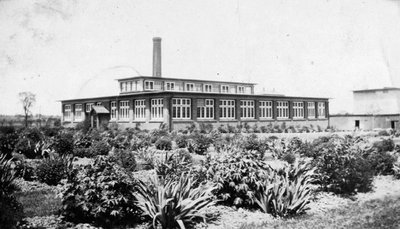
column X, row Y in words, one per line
column 157, row 57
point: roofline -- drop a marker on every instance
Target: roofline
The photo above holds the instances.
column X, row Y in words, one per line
column 191, row 94
column 379, row 89
column 183, row 79
column 362, row 115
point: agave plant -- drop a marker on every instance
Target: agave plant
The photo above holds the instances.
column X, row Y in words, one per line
column 174, row 203
column 7, row 176
column 286, row 192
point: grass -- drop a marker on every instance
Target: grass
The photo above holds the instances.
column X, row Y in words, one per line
column 378, row 213
column 39, row 202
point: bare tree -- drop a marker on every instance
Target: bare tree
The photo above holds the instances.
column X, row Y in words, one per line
column 27, row 99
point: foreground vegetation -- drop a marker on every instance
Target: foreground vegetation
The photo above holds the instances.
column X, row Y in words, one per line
column 134, row 178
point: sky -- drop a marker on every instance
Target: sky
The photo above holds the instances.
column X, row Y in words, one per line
column 317, row 48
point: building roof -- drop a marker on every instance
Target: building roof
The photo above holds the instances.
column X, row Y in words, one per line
column 100, row 110
column 183, row 79
column 378, row 89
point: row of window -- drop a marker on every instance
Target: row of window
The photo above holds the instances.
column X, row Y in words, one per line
column 181, row 109
column 129, row 86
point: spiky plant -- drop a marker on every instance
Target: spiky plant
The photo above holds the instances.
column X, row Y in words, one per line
column 174, row 203
column 7, row 176
column 286, row 192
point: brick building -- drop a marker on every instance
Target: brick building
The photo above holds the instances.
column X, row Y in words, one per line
column 149, row 101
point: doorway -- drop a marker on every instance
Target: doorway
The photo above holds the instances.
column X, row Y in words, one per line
column 357, row 124
column 393, row 124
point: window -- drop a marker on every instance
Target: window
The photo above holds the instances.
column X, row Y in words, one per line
column 246, row 108
column 189, row 87
column 205, row 108
column 298, row 110
column 124, row 86
column 227, row 109
column 67, row 113
column 123, row 110
column 169, row 86
column 89, row 107
column 140, row 109
column 149, row 85
column 78, row 112
column 113, row 110
column 207, row 88
column 265, row 109
column 224, row 89
column 240, row 90
column 181, row 108
column 130, row 85
column 157, row 106
column 321, row 110
column 311, row 109
column 282, row 109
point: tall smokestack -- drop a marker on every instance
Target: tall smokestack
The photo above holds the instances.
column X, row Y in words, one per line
column 157, row 57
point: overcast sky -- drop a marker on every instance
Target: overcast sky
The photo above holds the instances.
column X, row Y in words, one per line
column 320, row 48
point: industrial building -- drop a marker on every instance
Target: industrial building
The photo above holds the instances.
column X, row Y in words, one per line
column 149, row 101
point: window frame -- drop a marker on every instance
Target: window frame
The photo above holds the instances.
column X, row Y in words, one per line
column 169, row 84
column 227, row 89
column 238, row 90
column 148, row 83
column 227, row 109
column 181, row 108
column 140, row 109
column 247, row 109
column 266, row 109
column 113, row 110
column 67, row 112
column 88, row 107
column 206, row 112
column 191, row 88
column 79, row 117
column 298, row 110
column 123, row 111
column 157, row 109
column 205, row 88
column 311, row 108
column 323, row 110
column 282, row 111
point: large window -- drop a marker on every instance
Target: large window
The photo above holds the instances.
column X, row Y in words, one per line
column 89, row 107
column 113, row 110
column 123, row 110
column 67, row 113
column 189, row 87
column 240, row 90
column 298, row 110
column 282, row 109
column 140, row 109
column 157, row 106
column 227, row 109
column 311, row 109
column 181, row 108
column 224, row 89
column 246, row 108
column 149, row 85
column 205, row 108
column 265, row 109
column 321, row 110
column 169, row 86
column 78, row 112
column 207, row 88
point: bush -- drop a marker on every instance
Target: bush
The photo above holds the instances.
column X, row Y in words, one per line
column 385, row 145
column 53, row 169
column 396, row 169
column 182, row 141
column 289, row 158
column 125, row 159
column 101, row 193
column 174, row 203
column 252, row 142
column 64, row 143
column 239, row 176
column 7, row 143
column 199, row 144
column 163, row 143
column 25, row 169
column 381, row 162
column 287, row 192
column 344, row 171
column 171, row 165
column 99, row 148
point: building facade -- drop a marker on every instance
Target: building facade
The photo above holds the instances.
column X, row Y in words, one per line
column 149, row 101
column 373, row 109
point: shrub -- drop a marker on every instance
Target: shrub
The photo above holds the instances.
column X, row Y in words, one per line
column 286, row 192
column 163, row 143
column 174, row 203
column 99, row 148
column 101, row 193
column 238, row 175
column 64, row 143
column 289, row 157
column 381, row 162
column 25, row 169
column 125, row 159
column 384, row 145
column 199, row 144
column 171, row 165
column 140, row 142
column 7, row 143
column 182, row 141
column 53, row 169
column 344, row 171
column 396, row 169
column 252, row 143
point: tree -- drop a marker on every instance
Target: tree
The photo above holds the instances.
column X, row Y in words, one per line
column 27, row 99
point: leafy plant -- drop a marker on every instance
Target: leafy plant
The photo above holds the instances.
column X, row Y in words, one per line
column 163, row 143
column 182, row 141
column 286, row 192
column 171, row 165
column 238, row 176
column 199, row 143
column 174, row 203
column 54, row 168
column 101, row 193
column 63, row 143
column 125, row 159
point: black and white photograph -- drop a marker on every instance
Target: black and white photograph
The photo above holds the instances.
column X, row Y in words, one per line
column 172, row 114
